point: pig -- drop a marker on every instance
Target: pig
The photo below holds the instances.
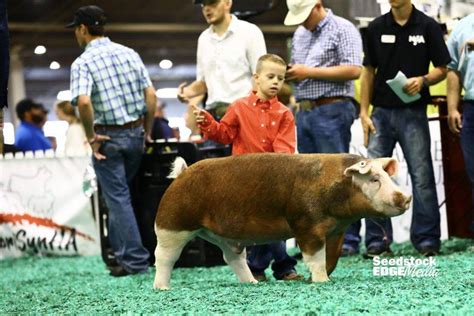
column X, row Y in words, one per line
column 251, row 199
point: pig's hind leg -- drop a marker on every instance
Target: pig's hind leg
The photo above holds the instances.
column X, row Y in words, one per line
column 234, row 255
column 168, row 248
column 238, row 263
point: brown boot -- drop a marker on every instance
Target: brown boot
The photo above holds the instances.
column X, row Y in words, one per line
column 292, row 276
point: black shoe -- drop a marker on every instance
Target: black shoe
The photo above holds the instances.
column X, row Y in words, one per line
column 429, row 251
column 119, row 271
column 377, row 251
column 347, row 251
column 298, row 256
column 112, row 264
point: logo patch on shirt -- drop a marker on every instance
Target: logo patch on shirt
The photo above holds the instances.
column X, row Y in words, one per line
column 416, row 39
column 388, row 38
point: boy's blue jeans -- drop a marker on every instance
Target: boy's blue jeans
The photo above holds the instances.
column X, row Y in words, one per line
column 260, row 256
column 409, row 127
column 124, row 152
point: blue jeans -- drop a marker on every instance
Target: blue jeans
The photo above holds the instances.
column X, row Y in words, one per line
column 409, row 127
column 124, row 152
column 467, row 144
column 260, row 256
column 325, row 129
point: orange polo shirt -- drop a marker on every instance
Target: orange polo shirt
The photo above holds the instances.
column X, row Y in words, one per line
column 253, row 126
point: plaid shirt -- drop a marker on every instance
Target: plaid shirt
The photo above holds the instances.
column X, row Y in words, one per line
column 114, row 77
column 334, row 42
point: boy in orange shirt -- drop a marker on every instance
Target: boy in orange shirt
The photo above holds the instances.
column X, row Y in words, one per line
column 259, row 123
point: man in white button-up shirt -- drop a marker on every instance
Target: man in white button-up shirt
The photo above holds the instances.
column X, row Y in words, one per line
column 227, row 55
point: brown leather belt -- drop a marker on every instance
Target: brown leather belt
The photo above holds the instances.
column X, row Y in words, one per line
column 308, row 105
column 128, row 125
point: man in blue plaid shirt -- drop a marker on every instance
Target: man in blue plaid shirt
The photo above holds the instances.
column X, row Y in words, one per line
column 326, row 58
column 116, row 99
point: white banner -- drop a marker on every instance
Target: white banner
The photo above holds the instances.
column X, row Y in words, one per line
column 43, row 209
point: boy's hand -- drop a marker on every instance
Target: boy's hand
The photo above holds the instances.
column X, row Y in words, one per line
column 199, row 114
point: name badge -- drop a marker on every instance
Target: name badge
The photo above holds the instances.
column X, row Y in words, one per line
column 388, row 38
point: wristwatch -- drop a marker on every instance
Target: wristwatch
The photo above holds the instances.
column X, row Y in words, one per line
column 426, row 84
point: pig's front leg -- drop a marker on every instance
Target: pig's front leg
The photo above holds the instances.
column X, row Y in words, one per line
column 314, row 256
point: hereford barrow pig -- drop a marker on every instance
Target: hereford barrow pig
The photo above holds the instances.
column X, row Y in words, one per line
column 251, row 199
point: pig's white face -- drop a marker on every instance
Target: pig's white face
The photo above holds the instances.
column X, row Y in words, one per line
column 373, row 178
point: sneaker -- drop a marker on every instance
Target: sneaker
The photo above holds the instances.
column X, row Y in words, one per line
column 292, row 276
column 260, row 277
column 380, row 251
column 347, row 251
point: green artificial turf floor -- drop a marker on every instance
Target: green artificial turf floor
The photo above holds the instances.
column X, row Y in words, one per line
column 81, row 285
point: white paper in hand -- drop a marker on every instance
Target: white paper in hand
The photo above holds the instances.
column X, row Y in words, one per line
column 397, row 84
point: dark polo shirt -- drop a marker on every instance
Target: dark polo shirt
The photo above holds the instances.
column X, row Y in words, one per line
column 389, row 47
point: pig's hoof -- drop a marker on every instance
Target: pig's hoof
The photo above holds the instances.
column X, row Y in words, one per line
column 253, row 281
column 161, row 287
column 321, row 279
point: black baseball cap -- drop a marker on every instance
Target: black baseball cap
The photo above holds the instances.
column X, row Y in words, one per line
column 89, row 15
column 206, row 2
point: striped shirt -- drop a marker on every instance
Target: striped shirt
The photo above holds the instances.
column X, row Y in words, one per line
column 114, row 77
column 334, row 42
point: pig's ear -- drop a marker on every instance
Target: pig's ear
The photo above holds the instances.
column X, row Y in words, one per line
column 362, row 167
column 390, row 165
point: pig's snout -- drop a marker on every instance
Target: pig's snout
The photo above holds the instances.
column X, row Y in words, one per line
column 401, row 201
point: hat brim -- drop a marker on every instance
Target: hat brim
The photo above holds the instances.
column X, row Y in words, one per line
column 71, row 25
column 297, row 19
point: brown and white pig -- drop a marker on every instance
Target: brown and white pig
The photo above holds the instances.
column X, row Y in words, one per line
column 252, row 199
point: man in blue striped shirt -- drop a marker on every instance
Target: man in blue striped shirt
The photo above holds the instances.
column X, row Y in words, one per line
column 116, row 99
column 326, row 58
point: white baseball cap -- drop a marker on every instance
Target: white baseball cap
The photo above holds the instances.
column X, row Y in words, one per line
column 298, row 11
